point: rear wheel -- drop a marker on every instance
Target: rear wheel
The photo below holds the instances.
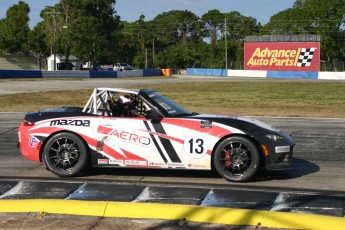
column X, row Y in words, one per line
column 236, row 159
column 65, row 154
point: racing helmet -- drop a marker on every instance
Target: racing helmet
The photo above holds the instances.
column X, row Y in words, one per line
column 127, row 105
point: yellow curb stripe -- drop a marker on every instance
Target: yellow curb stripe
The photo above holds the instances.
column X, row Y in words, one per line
column 74, row 207
column 217, row 215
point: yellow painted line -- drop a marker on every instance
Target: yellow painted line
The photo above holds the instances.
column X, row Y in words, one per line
column 217, row 215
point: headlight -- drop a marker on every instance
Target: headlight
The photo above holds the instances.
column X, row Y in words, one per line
column 274, row 137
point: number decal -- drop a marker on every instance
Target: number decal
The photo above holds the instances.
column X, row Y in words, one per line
column 195, row 146
column 199, row 148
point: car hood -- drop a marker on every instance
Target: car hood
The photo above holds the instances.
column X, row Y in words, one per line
column 240, row 122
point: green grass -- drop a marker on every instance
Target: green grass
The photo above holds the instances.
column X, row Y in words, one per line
column 295, row 98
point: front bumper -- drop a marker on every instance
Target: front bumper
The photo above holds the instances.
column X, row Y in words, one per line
column 280, row 154
column 279, row 161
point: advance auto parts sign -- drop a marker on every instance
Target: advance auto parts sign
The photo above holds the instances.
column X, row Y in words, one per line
column 284, row 56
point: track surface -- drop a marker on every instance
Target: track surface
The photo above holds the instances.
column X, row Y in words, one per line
column 315, row 184
column 319, row 160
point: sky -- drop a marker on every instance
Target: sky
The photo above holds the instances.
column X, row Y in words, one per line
column 130, row 10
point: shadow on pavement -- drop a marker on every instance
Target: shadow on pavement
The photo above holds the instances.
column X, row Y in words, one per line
column 299, row 168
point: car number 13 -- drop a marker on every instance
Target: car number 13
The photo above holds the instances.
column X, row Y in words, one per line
column 195, row 146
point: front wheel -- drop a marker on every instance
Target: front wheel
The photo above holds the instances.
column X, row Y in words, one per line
column 65, row 154
column 236, row 159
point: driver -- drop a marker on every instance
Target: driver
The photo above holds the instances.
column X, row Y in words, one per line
column 127, row 105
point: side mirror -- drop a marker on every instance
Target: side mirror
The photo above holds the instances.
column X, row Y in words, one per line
column 153, row 115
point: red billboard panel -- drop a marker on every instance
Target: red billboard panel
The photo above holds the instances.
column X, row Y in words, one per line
column 282, row 56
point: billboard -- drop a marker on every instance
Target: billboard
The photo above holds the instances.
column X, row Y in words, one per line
column 282, row 56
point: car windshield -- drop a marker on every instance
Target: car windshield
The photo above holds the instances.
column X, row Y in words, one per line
column 124, row 64
column 167, row 106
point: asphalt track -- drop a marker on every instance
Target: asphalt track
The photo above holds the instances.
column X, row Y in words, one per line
column 315, row 186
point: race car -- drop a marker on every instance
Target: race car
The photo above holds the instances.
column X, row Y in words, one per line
column 144, row 129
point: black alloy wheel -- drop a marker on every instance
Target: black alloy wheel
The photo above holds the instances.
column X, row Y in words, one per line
column 236, row 159
column 65, row 154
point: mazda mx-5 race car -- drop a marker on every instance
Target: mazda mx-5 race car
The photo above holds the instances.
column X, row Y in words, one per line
column 144, row 129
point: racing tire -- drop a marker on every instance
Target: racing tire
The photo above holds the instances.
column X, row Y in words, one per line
column 65, row 154
column 236, row 159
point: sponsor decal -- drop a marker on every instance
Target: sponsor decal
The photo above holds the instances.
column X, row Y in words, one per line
column 85, row 123
column 282, row 149
column 33, row 142
column 115, row 162
column 288, row 56
column 135, row 163
column 103, row 129
column 180, row 165
column 102, row 161
column 156, row 164
column 196, row 166
column 306, row 57
column 205, row 124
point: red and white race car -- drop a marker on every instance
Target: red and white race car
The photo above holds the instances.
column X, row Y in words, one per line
column 144, row 129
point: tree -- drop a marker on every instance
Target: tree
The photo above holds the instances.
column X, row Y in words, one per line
column 86, row 28
column 324, row 19
column 14, row 29
column 313, row 17
column 156, row 41
column 211, row 23
column 237, row 27
column 142, row 37
column 127, row 44
column 37, row 44
column 178, row 57
column 287, row 22
column 176, row 29
column 70, row 15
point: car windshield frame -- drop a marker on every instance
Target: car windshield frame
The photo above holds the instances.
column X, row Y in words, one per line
column 164, row 105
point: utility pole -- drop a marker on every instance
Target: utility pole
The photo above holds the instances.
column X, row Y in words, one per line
column 53, row 15
column 153, row 52
column 226, row 44
column 145, row 58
